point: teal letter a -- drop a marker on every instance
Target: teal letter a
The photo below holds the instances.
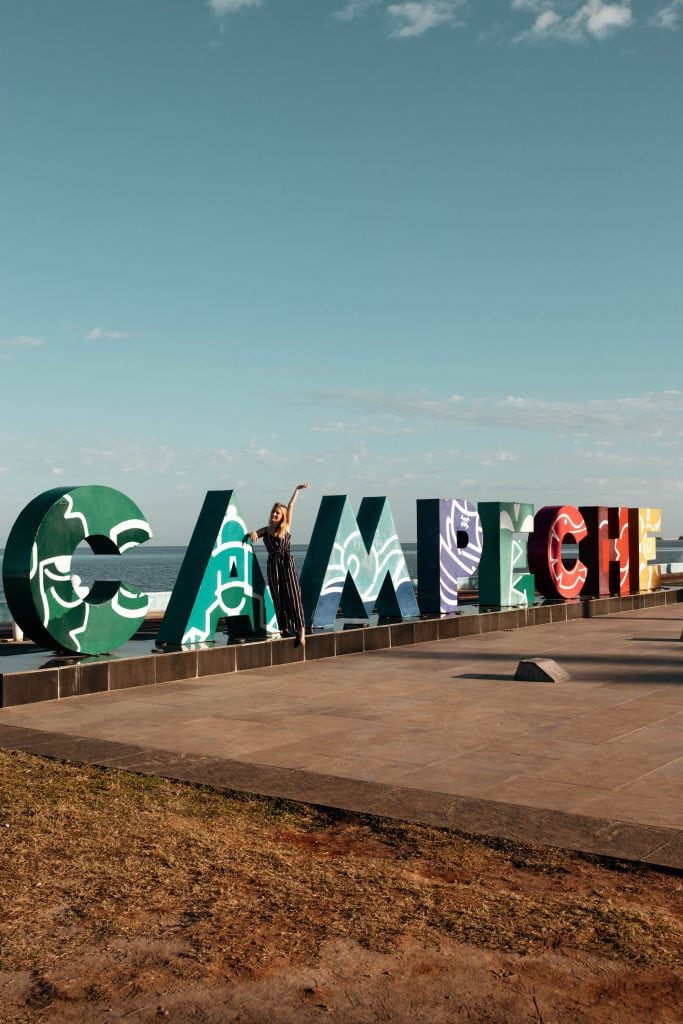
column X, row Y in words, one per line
column 219, row 577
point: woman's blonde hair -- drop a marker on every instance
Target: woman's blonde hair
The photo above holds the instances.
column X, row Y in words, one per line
column 282, row 530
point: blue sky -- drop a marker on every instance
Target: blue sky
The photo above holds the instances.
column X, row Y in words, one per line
column 427, row 249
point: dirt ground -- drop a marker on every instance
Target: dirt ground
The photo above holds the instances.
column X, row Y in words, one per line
column 124, row 898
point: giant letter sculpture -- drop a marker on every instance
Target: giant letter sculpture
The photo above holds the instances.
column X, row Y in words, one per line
column 605, row 550
column 502, row 579
column 449, row 540
column 619, row 571
column 594, row 550
column 554, row 578
column 37, row 569
column 644, row 524
column 356, row 564
column 219, row 577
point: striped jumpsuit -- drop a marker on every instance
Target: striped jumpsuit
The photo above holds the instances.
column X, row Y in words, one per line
column 284, row 583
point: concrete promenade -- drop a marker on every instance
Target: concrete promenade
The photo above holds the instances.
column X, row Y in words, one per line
column 437, row 732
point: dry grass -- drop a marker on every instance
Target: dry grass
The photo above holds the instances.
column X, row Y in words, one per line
column 90, row 855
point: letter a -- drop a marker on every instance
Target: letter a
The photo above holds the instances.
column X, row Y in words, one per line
column 219, row 577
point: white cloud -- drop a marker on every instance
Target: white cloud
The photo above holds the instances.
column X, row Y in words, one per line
column 222, row 7
column 553, row 20
column 414, row 18
column 594, row 19
column 496, row 457
column 388, row 426
column 22, row 341
column 600, row 19
column 92, row 455
column 647, row 416
column 626, row 450
column 545, row 21
column 99, row 334
column 355, row 9
column 667, row 17
column 623, row 458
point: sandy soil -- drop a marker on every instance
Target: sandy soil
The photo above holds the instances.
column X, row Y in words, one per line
column 132, row 899
column 143, row 981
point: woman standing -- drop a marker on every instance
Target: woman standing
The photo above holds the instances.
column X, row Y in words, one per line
column 282, row 578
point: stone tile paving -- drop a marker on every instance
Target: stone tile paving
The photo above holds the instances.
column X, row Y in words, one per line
column 437, row 732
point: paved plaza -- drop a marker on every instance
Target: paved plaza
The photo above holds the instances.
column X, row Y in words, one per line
column 436, row 732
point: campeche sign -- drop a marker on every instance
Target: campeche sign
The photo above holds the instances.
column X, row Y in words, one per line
column 353, row 562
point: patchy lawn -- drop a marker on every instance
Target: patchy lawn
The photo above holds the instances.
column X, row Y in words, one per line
column 136, row 898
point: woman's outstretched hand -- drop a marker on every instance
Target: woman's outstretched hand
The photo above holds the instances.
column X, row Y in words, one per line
column 301, row 487
column 253, row 536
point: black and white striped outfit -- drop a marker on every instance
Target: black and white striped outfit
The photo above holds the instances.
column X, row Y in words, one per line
column 284, row 583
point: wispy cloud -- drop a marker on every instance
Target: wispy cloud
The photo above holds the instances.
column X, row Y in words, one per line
column 22, row 341
column 409, row 19
column 355, row 9
column 551, row 21
column 567, row 22
column 95, row 455
column 606, row 451
column 412, row 19
column 668, row 16
column 224, row 7
column 99, row 334
column 623, row 458
column 360, row 427
column 651, row 414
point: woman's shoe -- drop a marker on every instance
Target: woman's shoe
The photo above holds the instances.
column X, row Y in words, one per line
column 300, row 639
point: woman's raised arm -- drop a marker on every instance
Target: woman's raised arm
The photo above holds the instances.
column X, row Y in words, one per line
column 290, row 506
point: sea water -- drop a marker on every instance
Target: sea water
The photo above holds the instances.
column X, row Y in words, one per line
column 154, row 569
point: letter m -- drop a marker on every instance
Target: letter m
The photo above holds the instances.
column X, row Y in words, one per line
column 355, row 564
